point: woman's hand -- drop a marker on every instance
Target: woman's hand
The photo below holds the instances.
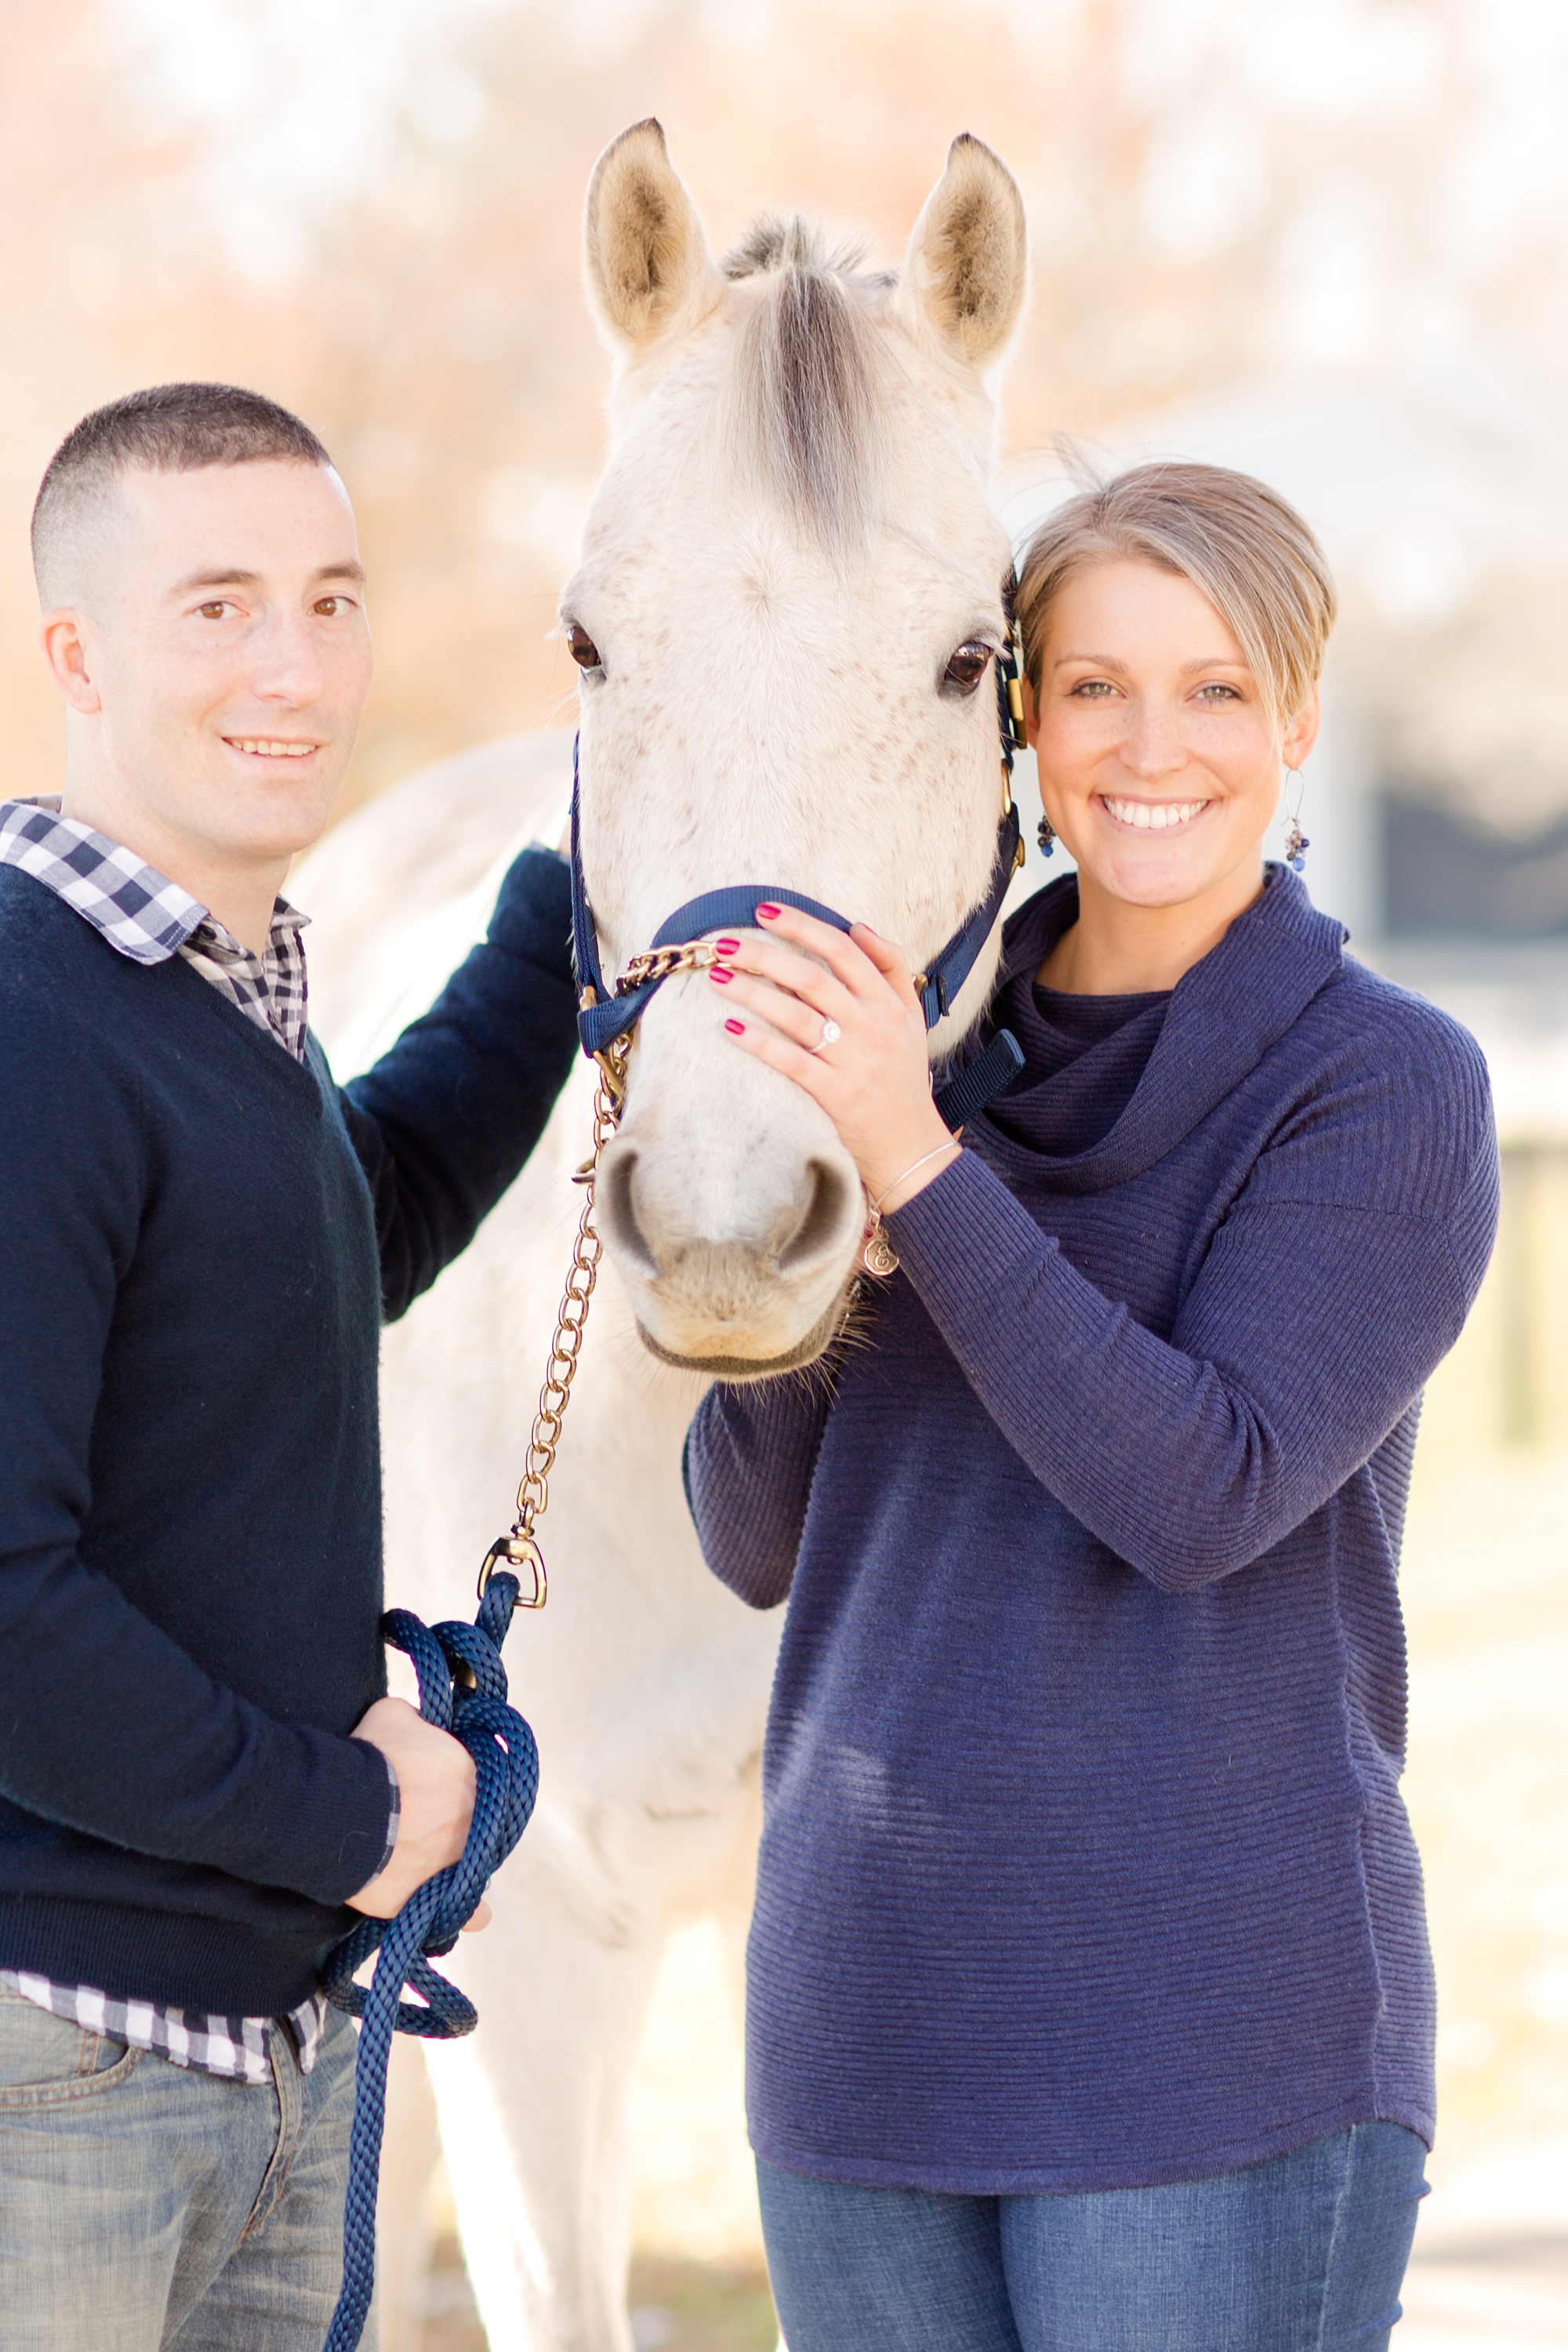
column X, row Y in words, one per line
column 873, row 1079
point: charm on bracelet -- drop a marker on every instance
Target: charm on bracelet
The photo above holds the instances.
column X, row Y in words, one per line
column 877, row 1255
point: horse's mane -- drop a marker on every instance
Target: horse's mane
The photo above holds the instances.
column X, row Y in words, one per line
column 803, row 416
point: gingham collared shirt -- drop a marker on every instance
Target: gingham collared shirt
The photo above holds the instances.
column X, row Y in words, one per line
column 148, row 918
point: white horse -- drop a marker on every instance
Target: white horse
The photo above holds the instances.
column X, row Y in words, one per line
column 790, row 575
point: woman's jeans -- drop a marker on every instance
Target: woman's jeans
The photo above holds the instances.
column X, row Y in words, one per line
column 1303, row 2253
column 143, row 2208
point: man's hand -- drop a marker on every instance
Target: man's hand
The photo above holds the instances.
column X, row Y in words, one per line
column 435, row 1798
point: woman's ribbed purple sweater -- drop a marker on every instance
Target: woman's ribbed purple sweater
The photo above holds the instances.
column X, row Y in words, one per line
column 1084, row 1862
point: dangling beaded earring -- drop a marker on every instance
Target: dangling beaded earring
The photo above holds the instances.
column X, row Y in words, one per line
column 1296, row 842
column 1046, row 836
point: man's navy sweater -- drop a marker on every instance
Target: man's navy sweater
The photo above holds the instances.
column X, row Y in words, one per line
column 198, row 1238
column 1084, row 1862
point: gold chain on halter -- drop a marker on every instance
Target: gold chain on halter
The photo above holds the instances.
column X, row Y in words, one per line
column 519, row 1548
column 663, row 963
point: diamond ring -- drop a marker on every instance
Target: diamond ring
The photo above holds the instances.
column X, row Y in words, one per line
column 831, row 1034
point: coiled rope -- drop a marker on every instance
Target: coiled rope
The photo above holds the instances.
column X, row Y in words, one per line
column 463, row 1690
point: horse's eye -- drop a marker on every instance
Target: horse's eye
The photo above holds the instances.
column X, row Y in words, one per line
column 584, row 652
column 968, row 665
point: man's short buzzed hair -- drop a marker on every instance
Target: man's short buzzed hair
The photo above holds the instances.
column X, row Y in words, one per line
column 174, row 428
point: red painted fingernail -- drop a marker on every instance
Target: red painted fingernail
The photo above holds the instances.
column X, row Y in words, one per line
column 728, row 947
column 720, row 977
column 769, row 914
column 736, row 1028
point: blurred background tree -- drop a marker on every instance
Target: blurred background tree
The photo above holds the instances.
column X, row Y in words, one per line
column 372, row 213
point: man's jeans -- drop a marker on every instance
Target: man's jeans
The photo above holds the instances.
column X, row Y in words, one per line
column 1303, row 2253
column 143, row 2206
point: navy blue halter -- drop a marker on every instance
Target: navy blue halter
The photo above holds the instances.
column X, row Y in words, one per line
column 604, row 1013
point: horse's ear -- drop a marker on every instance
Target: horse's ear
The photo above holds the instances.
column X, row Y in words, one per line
column 648, row 271
column 967, row 269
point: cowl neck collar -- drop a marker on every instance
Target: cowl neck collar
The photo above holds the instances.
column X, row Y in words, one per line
column 1223, row 1017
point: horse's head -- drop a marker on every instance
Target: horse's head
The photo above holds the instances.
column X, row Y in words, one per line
column 786, row 570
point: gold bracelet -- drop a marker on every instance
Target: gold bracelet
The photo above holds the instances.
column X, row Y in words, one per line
column 951, row 1144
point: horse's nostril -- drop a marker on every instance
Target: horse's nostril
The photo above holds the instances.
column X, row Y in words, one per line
column 662, row 1237
column 820, row 1228
column 617, row 1215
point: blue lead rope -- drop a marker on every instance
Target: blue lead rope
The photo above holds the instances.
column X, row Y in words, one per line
column 462, row 1689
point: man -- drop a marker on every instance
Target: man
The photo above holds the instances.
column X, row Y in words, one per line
column 201, row 1780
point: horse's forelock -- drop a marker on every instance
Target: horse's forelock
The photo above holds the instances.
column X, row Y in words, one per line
column 803, row 416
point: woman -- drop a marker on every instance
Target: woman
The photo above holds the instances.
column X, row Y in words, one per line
column 1090, row 2008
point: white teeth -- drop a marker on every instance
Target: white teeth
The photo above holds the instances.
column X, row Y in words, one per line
column 279, row 751
column 1155, row 816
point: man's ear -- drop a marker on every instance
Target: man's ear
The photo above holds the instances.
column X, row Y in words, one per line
column 63, row 646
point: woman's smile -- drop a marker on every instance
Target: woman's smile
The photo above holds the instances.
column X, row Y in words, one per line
column 1150, row 816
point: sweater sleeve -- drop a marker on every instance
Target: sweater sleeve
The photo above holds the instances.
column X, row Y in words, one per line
column 750, row 1455
column 107, row 1724
column 446, row 1119
column 1337, row 1283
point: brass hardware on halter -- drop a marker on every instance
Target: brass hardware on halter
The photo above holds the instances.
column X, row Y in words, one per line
column 519, row 1548
column 1015, row 732
column 1019, row 850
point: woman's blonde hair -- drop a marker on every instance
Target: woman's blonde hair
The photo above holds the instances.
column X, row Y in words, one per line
column 1238, row 541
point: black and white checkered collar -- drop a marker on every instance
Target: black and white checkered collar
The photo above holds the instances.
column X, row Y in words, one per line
column 139, row 911
column 147, row 918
